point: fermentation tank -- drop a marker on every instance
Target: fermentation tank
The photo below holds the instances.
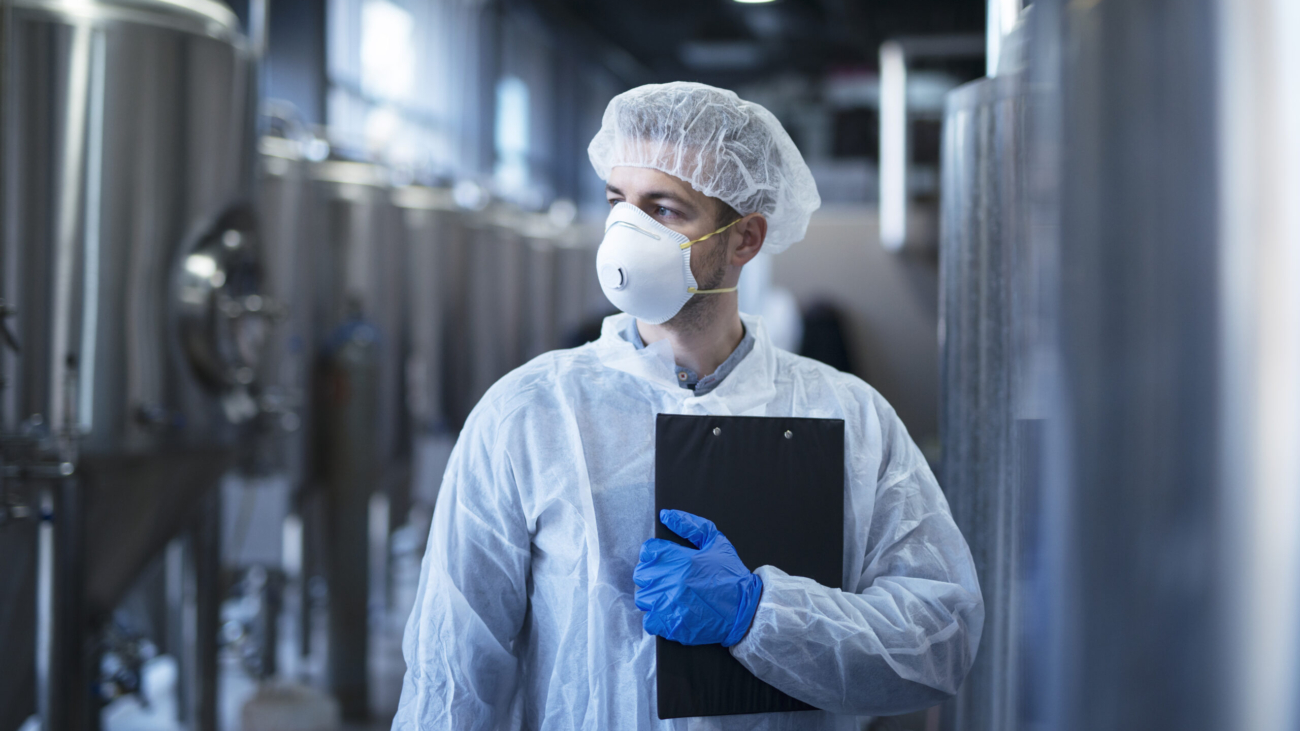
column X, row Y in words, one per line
column 430, row 226
column 456, row 237
column 361, row 440
column 1121, row 324
column 496, row 260
column 537, row 294
column 989, row 423
column 578, row 299
column 282, row 199
column 513, row 285
column 130, row 282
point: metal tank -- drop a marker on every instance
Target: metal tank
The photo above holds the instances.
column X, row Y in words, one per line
column 494, row 316
column 538, row 333
column 430, row 227
column 130, row 281
column 560, row 291
column 282, row 208
column 515, row 285
column 990, row 426
column 1121, row 289
column 532, row 286
column 358, row 274
column 1124, row 217
column 578, row 299
column 361, row 439
column 455, row 242
column 261, row 495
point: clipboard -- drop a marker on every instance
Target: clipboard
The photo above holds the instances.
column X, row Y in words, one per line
column 775, row 487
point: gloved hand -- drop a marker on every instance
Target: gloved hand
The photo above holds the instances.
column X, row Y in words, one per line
column 695, row 596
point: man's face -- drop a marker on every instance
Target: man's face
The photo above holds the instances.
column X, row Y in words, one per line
column 674, row 203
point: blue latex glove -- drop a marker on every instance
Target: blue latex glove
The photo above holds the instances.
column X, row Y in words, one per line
column 695, row 596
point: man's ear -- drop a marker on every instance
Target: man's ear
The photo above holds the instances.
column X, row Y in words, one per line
column 753, row 231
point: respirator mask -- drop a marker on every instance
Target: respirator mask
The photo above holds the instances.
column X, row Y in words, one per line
column 645, row 267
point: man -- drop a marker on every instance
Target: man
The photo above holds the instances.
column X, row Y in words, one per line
column 527, row 614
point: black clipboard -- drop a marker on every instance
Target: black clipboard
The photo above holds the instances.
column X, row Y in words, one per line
column 774, row 486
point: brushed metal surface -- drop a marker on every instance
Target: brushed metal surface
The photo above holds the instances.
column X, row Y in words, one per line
column 123, row 145
column 989, row 428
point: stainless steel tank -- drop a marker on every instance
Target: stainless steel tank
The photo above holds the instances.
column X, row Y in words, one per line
column 457, row 240
column 1121, row 402
column 538, row 332
column 131, row 281
column 262, row 494
column 1132, row 488
column 431, row 227
column 990, row 432
column 496, row 260
column 579, row 302
column 360, row 275
column 361, row 436
column 283, row 190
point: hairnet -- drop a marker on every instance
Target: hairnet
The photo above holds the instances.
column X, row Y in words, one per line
column 722, row 145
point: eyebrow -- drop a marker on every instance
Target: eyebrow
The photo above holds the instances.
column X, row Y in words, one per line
column 665, row 195
column 654, row 195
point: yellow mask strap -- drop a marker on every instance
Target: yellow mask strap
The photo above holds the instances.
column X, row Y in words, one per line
column 689, row 244
column 724, row 290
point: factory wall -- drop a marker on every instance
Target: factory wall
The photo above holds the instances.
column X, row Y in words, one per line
column 889, row 303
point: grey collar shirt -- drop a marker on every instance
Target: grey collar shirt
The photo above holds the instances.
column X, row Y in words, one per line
column 688, row 378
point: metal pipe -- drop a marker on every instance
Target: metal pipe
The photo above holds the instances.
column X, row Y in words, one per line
column 893, row 146
column 257, row 29
column 64, row 681
column 199, row 605
column 1259, row 139
column 1002, row 15
column 205, row 545
column 351, row 416
column 895, row 55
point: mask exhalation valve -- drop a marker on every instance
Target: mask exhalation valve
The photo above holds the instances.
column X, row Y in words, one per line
column 613, row 277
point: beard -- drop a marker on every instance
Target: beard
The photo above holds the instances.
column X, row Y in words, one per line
column 699, row 309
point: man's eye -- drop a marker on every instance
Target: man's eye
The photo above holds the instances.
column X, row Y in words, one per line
column 613, row 202
column 665, row 212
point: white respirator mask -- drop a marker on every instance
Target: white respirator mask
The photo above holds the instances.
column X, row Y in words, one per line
column 645, row 267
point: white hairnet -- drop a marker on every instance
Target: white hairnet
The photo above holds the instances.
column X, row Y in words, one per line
column 724, row 146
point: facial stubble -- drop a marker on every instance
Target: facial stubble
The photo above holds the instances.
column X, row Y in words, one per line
column 699, row 309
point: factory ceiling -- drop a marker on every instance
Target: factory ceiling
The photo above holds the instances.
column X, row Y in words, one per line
column 728, row 42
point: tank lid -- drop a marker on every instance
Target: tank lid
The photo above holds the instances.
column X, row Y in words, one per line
column 216, row 17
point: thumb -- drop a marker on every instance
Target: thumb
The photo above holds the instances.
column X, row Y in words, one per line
column 693, row 528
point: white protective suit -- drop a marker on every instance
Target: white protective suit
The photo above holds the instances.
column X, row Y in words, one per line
column 525, row 615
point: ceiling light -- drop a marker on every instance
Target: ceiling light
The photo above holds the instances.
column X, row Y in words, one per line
column 754, row 2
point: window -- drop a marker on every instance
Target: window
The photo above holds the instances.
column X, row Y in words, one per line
column 512, row 174
column 403, row 83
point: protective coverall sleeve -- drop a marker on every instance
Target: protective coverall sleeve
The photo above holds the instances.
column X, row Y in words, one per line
column 905, row 634
column 459, row 646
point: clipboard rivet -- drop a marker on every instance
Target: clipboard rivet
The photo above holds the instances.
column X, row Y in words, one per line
column 789, row 434
column 717, row 430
